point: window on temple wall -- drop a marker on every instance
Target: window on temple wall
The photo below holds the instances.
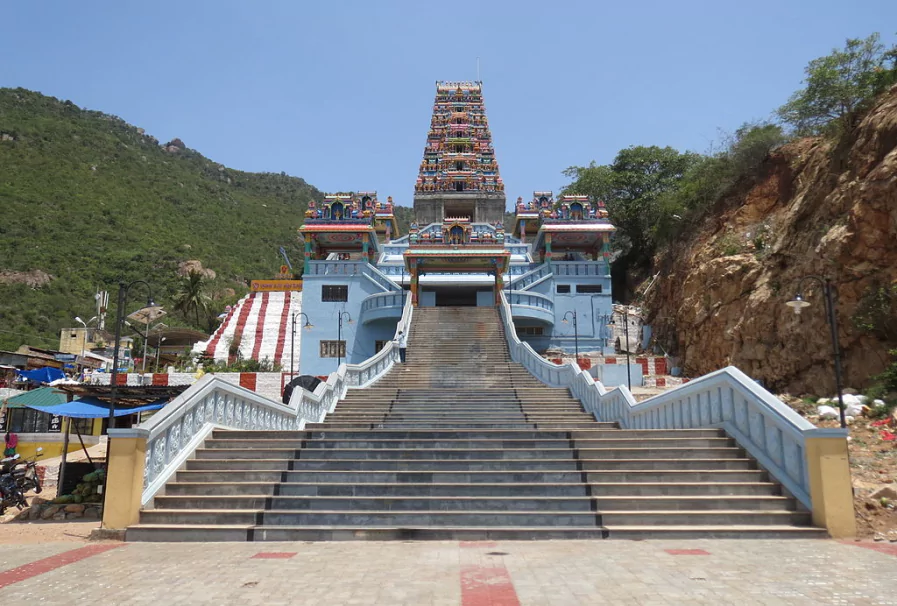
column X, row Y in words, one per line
column 333, row 349
column 459, row 186
column 530, row 331
column 562, row 289
column 378, row 345
column 588, row 288
column 334, row 293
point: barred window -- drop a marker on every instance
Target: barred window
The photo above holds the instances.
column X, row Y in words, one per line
column 588, row 288
column 333, row 349
column 562, row 289
column 334, row 293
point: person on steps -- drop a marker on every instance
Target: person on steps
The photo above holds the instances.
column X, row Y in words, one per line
column 401, row 341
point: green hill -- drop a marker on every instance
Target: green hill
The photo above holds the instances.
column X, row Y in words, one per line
column 91, row 200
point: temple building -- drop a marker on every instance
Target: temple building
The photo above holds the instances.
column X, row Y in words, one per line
column 358, row 270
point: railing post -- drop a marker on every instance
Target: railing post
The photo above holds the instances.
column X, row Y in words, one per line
column 127, row 458
column 831, row 490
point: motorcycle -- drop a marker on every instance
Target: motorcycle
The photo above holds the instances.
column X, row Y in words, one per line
column 26, row 476
column 17, row 476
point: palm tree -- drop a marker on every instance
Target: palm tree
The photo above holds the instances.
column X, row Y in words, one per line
column 192, row 297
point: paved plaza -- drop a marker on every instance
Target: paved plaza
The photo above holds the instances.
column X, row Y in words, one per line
column 451, row 573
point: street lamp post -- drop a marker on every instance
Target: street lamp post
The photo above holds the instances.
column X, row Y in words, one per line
column 113, row 391
column 307, row 326
column 339, row 335
column 625, row 336
column 798, row 303
column 575, row 333
column 158, row 349
column 84, row 337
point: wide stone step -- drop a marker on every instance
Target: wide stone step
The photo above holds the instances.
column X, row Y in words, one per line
column 445, row 444
column 676, row 476
column 399, row 476
column 427, row 434
column 694, row 503
column 362, row 503
column 503, row 465
column 702, row 518
column 665, row 464
column 368, row 518
column 654, row 452
column 422, row 425
column 698, row 489
column 214, row 533
column 722, row 531
column 398, row 454
column 648, row 442
column 237, row 464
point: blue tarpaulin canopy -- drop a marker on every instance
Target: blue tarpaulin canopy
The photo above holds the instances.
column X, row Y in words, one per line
column 42, row 375
column 92, row 408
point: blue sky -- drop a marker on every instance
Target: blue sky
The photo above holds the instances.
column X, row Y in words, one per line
column 340, row 92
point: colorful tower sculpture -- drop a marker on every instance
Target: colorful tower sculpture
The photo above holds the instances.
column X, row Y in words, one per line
column 459, row 173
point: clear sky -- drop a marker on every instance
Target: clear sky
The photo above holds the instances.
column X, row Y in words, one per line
column 340, row 93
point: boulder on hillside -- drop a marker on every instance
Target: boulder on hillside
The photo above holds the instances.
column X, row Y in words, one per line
column 185, row 268
column 174, row 146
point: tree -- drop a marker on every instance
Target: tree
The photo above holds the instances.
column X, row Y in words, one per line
column 632, row 187
column 192, row 297
column 840, row 84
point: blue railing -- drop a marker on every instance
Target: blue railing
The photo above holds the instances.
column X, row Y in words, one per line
column 530, row 299
column 384, row 300
column 535, row 274
column 579, row 268
column 352, row 268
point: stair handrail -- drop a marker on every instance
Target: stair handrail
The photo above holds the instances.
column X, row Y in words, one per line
column 183, row 424
column 767, row 428
column 380, row 278
column 531, row 276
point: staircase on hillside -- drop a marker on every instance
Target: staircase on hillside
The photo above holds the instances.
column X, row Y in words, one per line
column 462, row 443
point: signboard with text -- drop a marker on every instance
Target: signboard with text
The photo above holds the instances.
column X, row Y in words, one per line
column 275, row 285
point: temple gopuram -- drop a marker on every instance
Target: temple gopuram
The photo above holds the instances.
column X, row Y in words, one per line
column 553, row 265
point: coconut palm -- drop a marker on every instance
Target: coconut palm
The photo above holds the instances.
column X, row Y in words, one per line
column 191, row 297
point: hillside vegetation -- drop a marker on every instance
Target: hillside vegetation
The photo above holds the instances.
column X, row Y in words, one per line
column 714, row 244
column 88, row 200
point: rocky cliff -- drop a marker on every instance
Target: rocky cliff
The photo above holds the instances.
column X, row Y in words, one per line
column 817, row 207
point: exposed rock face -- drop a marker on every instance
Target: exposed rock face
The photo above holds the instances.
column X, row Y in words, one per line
column 185, row 268
column 719, row 298
column 34, row 278
column 174, row 146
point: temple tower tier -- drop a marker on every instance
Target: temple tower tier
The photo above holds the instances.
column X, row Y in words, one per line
column 459, row 175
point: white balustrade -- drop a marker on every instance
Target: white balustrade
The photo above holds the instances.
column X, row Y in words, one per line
column 767, row 428
column 178, row 429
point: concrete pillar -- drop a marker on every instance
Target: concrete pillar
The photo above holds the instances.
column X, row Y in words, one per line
column 831, row 491
column 365, row 247
column 124, row 484
column 414, row 285
column 499, row 285
column 308, row 251
column 548, row 244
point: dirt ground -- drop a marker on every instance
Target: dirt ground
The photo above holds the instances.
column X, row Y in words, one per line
column 24, row 533
column 873, row 464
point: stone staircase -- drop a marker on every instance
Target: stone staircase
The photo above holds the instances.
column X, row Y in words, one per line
column 462, row 443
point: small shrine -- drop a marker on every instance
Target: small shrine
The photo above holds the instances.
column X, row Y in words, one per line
column 458, row 247
column 572, row 227
column 343, row 224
